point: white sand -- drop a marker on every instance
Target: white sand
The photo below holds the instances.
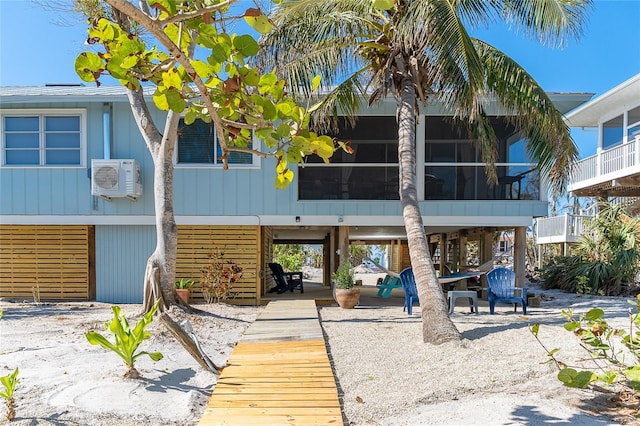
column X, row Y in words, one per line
column 494, row 376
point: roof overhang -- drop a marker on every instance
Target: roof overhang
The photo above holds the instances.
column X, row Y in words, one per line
column 625, row 95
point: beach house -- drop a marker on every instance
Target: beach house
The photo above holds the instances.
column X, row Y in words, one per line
column 77, row 213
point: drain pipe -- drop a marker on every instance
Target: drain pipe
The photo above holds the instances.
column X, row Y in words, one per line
column 106, row 130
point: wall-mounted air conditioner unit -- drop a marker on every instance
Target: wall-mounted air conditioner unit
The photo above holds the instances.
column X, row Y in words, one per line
column 116, row 178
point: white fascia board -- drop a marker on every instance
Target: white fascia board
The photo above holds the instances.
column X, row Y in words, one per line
column 616, row 100
column 268, row 220
column 75, row 220
column 430, row 221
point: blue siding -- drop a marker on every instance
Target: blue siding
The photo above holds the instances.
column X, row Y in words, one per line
column 121, row 259
column 197, row 191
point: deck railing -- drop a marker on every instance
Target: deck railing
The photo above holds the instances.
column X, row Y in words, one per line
column 607, row 164
column 560, row 229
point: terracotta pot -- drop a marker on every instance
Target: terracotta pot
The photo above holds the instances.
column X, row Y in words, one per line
column 347, row 298
column 183, row 294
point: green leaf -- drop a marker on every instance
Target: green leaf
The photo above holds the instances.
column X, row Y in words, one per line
column 294, row 155
column 190, row 116
column 257, row 20
column 266, row 83
column 114, row 68
column 219, row 54
column 129, row 62
column 315, row 83
column 156, row 356
column 534, row 329
column 572, row 326
column 383, row 4
column 322, row 147
column 203, row 70
column 594, row 314
column 265, row 106
column 207, row 36
column 250, row 76
column 633, row 375
column 171, row 79
column 608, row 377
column 284, row 179
column 246, row 45
column 166, row 6
column 9, row 383
column 97, row 339
column 575, row 379
column 89, row 66
column 169, row 99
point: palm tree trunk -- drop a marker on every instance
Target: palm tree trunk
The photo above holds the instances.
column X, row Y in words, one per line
column 437, row 327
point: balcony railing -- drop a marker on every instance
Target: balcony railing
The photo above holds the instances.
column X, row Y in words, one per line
column 560, row 229
column 613, row 163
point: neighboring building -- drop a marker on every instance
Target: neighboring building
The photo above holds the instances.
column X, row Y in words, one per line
column 61, row 144
column 613, row 173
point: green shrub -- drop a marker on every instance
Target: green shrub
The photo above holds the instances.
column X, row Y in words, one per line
column 9, row 383
column 561, row 272
column 602, row 342
column 290, row 256
column 343, row 276
column 608, row 256
column 127, row 340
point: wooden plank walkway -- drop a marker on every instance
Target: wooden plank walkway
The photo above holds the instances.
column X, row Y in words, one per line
column 278, row 374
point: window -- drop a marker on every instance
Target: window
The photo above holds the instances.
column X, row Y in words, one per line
column 612, row 132
column 197, row 145
column 52, row 138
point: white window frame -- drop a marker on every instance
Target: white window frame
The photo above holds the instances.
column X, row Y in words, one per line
column 41, row 113
column 255, row 163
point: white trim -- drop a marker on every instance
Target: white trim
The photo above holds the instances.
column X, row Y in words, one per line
column 42, row 112
column 269, row 220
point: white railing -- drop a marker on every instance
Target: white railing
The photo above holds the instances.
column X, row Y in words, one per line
column 560, row 229
column 609, row 162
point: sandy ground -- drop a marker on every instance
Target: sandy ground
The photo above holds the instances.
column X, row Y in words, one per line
column 385, row 374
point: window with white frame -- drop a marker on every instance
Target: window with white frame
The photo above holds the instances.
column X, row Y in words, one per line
column 198, row 146
column 51, row 138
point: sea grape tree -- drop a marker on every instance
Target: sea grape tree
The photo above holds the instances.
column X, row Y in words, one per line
column 182, row 52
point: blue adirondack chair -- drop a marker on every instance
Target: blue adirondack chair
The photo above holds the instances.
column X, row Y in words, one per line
column 502, row 288
column 410, row 290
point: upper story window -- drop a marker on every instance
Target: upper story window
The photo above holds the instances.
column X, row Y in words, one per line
column 48, row 138
column 612, row 132
column 198, row 146
column 370, row 173
column 633, row 128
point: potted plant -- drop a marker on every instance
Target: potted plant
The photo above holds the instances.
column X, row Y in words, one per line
column 183, row 285
column 346, row 293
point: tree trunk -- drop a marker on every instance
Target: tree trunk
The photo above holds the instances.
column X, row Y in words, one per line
column 437, row 327
column 161, row 267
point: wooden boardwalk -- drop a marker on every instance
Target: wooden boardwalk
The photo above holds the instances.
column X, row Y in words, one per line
column 278, row 374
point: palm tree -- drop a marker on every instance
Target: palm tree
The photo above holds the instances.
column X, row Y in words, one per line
column 420, row 50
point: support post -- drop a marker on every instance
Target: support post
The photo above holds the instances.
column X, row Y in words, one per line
column 343, row 237
column 519, row 254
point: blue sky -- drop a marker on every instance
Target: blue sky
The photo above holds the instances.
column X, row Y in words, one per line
column 35, row 49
